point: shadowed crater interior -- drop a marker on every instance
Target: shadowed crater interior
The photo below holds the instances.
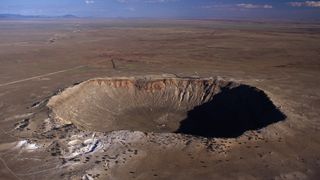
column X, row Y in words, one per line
column 208, row 107
column 230, row 113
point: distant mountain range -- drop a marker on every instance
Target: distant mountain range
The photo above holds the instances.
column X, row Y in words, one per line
column 19, row 16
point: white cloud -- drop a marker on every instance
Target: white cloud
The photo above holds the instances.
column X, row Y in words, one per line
column 89, row 1
column 220, row 6
column 305, row 4
column 255, row 6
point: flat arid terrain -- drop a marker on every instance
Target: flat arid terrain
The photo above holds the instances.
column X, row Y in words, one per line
column 159, row 99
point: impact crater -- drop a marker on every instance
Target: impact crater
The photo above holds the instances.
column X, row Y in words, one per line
column 208, row 107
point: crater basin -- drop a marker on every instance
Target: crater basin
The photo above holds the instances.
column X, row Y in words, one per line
column 209, row 107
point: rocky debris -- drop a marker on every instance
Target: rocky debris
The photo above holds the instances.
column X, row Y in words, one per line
column 22, row 124
column 87, row 177
column 39, row 103
column 26, row 145
column 78, row 147
column 86, row 154
column 55, row 149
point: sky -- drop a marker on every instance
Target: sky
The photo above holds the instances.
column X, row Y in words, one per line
column 193, row 9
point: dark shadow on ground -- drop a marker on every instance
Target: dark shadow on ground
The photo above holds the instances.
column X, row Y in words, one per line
column 230, row 113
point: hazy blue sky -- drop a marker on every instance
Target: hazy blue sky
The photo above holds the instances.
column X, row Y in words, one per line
column 262, row 9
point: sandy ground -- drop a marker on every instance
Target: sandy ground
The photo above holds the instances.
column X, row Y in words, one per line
column 39, row 58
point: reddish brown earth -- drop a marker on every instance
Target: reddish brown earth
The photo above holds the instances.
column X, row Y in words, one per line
column 40, row 58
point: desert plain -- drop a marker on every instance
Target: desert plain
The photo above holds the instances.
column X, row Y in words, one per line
column 44, row 58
